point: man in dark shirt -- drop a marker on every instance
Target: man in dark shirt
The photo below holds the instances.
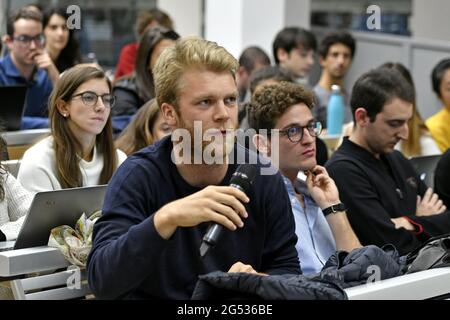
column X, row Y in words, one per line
column 159, row 203
column 386, row 201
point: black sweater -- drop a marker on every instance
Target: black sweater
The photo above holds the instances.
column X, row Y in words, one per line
column 374, row 192
column 442, row 178
column 130, row 260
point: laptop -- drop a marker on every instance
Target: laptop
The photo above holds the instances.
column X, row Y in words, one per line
column 50, row 209
column 425, row 167
column 12, row 107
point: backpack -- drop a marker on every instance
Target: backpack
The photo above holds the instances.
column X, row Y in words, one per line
column 435, row 253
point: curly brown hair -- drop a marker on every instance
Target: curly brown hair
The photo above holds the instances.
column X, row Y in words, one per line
column 272, row 101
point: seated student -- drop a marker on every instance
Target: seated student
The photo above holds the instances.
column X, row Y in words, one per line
column 27, row 63
column 147, row 127
column 60, row 41
column 80, row 151
column 159, row 202
column 15, row 202
column 419, row 142
column 442, row 178
column 146, row 19
column 438, row 124
column 136, row 89
column 272, row 75
column 285, row 108
column 386, row 200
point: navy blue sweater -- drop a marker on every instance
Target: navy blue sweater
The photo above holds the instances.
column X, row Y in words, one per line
column 129, row 259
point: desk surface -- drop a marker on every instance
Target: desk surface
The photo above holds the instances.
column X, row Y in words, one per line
column 24, row 136
column 415, row 286
column 30, row 260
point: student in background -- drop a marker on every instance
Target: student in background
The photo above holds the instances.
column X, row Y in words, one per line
column 419, row 142
column 80, row 151
column 15, row 202
column 27, row 63
column 136, row 89
column 386, row 200
column 336, row 51
column 438, row 124
column 251, row 59
column 60, row 42
column 145, row 20
column 147, row 127
column 293, row 50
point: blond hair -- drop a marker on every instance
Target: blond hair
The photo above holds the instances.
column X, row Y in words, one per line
column 188, row 53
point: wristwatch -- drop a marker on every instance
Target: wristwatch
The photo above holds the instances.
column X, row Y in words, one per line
column 334, row 209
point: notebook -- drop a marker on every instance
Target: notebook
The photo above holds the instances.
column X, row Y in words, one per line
column 12, row 105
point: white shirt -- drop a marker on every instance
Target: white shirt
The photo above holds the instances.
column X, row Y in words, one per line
column 38, row 170
column 14, row 207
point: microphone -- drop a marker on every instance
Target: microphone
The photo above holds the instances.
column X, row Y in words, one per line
column 242, row 179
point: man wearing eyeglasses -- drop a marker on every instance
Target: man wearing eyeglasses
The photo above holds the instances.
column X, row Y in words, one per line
column 27, row 63
column 321, row 223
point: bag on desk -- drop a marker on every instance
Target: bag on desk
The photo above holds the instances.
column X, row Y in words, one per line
column 76, row 244
column 435, row 253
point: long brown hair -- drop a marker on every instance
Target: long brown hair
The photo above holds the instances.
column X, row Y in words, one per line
column 67, row 148
column 144, row 77
column 138, row 133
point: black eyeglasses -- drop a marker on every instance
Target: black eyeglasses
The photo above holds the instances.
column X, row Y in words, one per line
column 90, row 98
column 39, row 40
column 295, row 133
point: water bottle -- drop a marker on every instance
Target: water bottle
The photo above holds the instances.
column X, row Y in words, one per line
column 335, row 111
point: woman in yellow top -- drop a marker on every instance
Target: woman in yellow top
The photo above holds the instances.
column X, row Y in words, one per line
column 439, row 124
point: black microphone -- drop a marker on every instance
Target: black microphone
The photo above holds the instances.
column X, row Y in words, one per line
column 242, row 179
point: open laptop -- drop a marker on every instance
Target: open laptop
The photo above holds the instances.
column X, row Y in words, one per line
column 425, row 167
column 12, row 106
column 50, row 209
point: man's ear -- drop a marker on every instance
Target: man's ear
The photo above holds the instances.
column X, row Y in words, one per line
column 282, row 55
column 321, row 61
column 262, row 144
column 169, row 114
column 6, row 39
column 361, row 117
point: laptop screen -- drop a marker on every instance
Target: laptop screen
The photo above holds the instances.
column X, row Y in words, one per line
column 13, row 105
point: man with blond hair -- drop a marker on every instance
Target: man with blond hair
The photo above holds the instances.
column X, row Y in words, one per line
column 159, row 203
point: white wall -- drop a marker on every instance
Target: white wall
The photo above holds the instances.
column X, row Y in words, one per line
column 430, row 19
column 237, row 24
column 186, row 14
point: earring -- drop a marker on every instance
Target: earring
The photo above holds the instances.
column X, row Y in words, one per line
column 64, row 115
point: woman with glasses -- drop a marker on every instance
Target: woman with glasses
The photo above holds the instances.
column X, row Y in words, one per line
column 80, row 150
column 134, row 90
column 61, row 44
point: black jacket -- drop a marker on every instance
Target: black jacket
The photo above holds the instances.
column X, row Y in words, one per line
column 442, row 178
column 127, row 99
column 374, row 193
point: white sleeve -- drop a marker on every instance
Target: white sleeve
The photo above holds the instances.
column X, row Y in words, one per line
column 35, row 175
column 19, row 201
